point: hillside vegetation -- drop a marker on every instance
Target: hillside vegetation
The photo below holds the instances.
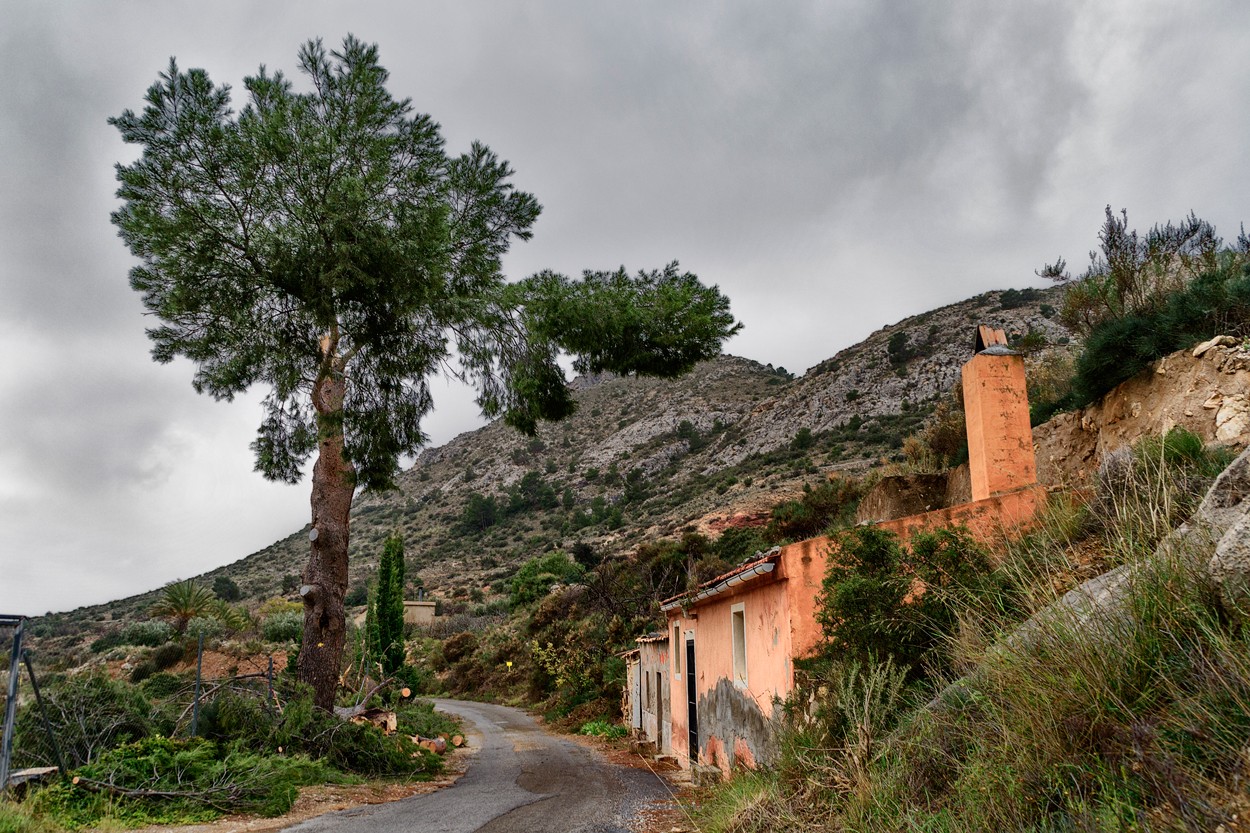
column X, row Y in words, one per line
column 1142, row 728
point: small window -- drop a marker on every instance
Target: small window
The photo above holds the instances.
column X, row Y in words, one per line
column 674, row 645
column 739, row 626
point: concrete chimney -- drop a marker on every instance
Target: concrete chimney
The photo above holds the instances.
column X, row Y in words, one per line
column 996, row 407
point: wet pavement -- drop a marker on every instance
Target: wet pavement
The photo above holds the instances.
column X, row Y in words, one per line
column 521, row 779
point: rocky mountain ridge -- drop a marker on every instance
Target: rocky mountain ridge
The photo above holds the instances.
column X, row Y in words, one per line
column 644, row 458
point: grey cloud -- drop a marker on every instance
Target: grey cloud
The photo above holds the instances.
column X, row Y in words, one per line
column 93, row 420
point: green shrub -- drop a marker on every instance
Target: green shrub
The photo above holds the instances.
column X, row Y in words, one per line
column 479, row 514
column 107, row 642
column 1014, row 298
column 831, row 502
column 898, row 349
column 459, row 646
column 226, row 589
column 167, row 656
column 687, row 431
column 161, row 659
column 206, row 626
column 536, row 577
column 162, row 686
column 531, row 494
column 237, row 714
column 285, row 626
column 1145, row 296
column 151, row 633
column 357, row 595
column 737, row 543
column 881, row 601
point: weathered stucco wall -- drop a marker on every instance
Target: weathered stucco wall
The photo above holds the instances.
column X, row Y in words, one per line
column 656, row 694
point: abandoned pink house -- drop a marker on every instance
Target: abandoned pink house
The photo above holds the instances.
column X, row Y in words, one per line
column 726, row 660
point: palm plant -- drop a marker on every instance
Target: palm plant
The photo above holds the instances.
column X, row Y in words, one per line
column 181, row 601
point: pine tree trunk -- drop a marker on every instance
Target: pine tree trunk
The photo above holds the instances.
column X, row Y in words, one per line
column 325, row 578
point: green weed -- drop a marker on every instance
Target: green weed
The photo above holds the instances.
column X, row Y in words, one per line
column 602, row 729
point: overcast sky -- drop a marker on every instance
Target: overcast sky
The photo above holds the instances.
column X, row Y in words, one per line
column 832, row 166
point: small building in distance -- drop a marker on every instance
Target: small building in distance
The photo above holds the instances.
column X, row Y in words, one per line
column 645, row 704
column 419, row 613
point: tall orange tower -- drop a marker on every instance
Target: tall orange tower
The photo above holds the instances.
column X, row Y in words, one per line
column 996, row 406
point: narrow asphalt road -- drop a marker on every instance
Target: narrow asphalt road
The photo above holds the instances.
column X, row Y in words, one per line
column 521, row 779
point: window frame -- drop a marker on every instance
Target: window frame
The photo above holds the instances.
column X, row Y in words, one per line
column 738, row 641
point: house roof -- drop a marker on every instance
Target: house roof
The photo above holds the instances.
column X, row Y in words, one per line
column 654, row 636
column 761, row 565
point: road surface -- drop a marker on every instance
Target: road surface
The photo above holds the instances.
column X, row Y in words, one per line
column 520, row 780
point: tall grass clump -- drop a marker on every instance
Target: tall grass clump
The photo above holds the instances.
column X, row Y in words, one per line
column 1137, row 721
column 1146, row 491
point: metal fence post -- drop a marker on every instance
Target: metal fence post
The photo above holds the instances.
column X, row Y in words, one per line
column 10, row 705
column 43, row 713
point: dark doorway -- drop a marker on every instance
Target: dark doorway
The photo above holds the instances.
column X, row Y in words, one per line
column 659, row 713
column 692, row 707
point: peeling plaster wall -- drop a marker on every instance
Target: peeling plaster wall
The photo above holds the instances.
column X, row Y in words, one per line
column 738, row 731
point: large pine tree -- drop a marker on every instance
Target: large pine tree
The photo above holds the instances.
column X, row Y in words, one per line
column 324, row 245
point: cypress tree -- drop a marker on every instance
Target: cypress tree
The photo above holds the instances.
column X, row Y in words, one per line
column 389, row 606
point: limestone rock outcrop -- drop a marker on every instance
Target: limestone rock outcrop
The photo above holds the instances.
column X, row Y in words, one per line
column 1203, row 390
